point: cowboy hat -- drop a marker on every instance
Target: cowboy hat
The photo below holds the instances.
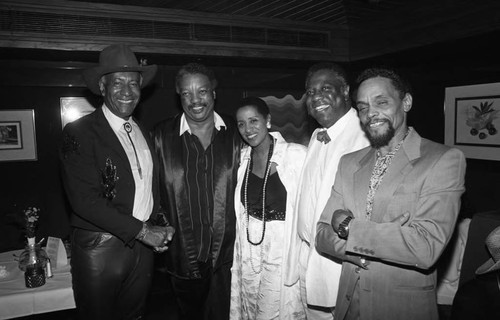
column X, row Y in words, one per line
column 493, row 245
column 117, row 58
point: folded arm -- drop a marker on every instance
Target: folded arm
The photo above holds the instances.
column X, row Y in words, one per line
column 420, row 241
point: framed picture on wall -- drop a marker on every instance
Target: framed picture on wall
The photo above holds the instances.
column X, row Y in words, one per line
column 17, row 135
column 73, row 108
column 472, row 120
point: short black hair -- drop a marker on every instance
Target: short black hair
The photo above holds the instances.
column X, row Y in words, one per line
column 398, row 81
column 256, row 102
column 333, row 67
column 195, row 68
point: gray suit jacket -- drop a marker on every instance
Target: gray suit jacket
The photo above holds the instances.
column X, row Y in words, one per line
column 426, row 180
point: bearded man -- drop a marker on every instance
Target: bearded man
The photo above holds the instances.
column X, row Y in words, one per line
column 392, row 210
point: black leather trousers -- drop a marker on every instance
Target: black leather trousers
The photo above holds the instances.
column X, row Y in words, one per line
column 110, row 279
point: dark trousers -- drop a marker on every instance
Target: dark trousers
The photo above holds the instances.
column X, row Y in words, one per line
column 207, row 298
column 478, row 299
column 110, row 280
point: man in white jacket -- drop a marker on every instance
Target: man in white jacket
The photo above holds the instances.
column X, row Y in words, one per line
column 327, row 100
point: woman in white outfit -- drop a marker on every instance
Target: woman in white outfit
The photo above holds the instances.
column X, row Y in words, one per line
column 264, row 202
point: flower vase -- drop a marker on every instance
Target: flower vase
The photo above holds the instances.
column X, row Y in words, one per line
column 33, row 261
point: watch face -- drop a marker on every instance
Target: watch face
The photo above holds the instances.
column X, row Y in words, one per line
column 342, row 231
column 343, row 227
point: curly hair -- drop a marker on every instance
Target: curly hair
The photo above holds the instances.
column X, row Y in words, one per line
column 195, row 68
column 401, row 84
column 336, row 69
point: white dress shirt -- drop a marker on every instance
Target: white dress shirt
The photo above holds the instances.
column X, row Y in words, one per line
column 143, row 199
column 184, row 125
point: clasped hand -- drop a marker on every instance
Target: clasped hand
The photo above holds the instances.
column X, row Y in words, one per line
column 158, row 237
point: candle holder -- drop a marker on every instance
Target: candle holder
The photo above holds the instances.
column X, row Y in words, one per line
column 34, row 276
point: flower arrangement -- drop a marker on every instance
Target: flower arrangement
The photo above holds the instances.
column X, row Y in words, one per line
column 31, row 217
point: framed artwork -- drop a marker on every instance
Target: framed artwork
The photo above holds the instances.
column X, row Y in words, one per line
column 472, row 120
column 73, row 108
column 17, row 135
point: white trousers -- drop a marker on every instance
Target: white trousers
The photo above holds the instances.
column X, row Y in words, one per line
column 311, row 312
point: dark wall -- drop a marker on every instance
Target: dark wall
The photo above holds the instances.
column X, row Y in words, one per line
column 35, row 183
column 430, row 70
column 27, row 85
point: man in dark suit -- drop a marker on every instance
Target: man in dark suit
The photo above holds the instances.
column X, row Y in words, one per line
column 392, row 210
column 110, row 177
column 199, row 154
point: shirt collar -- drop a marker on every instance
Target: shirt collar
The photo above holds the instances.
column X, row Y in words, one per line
column 338, row 127
column 114, row 121
column 184, row 126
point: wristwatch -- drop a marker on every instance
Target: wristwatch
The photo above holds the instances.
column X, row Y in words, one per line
column 344, row 228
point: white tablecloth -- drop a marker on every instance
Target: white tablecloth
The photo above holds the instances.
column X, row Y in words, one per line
column 16, row 300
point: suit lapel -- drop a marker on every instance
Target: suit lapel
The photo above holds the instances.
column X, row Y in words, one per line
column 108, row 137
column 396, row 173
column 361, row 181
column 398, row 170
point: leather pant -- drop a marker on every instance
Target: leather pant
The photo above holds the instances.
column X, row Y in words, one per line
column 110, row 280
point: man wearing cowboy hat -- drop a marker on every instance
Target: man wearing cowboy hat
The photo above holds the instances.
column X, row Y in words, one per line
column 109, row 176
column 479, row 298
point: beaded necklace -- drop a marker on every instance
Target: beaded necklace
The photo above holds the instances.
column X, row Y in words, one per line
column 264, row 189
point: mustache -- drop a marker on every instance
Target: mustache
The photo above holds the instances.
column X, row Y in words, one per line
column 371, row 121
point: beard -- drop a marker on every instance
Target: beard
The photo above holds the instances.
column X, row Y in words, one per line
column 378, row 141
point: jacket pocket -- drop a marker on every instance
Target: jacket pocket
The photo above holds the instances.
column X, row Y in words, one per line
column 89, row 240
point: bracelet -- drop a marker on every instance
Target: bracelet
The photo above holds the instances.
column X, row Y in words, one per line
column 142, row 234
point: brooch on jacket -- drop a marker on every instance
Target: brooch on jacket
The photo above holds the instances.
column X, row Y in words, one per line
column 109, row 179
column 69, row 145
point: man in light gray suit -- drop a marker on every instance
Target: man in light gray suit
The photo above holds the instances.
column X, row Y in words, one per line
column 392, row 209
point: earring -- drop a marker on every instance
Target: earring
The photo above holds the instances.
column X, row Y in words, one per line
column 268, row 125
